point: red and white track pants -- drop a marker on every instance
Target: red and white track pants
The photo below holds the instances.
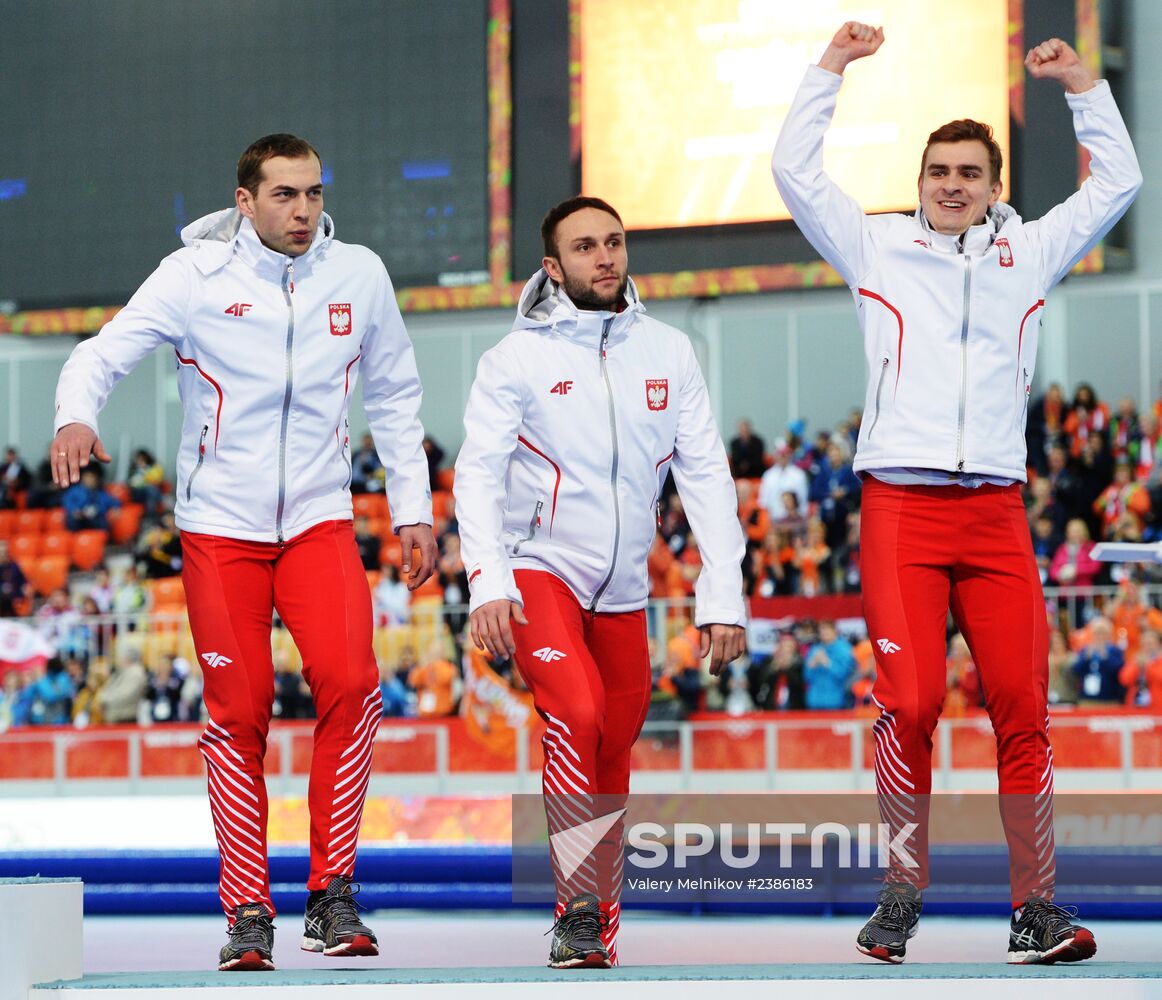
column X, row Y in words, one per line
column 590, row 679
column 925, row 549
column 319, row 588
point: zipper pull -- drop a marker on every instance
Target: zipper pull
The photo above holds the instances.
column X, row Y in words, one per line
column 290, row 273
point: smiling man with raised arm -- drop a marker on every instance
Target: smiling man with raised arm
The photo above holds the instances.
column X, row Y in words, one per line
column 949, row 300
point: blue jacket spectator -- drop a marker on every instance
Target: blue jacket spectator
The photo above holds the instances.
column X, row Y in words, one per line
column 829, row 669
column 1097, row 666
column 87, row 505
column 835, row 489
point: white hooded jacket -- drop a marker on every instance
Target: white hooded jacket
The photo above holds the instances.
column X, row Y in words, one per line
column 267, row 349
column 571, row 424
column 950, row 323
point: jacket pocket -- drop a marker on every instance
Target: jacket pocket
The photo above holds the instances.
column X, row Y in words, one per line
column 879, row 391
column 534, row 523
column 198, row 465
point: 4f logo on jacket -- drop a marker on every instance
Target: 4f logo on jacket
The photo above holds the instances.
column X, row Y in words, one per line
column 561, row 388
column 1006, row 252
column 339, row 313
column 238, row 309
column 657, row 393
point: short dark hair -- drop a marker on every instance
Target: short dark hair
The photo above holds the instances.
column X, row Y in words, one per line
column 966, row 130
column 558, row 213
column 269, row 146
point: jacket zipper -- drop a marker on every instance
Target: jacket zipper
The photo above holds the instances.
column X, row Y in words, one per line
column 534, row 522
column 288, row 285
column 201, row 458
column 612, row 471
column 879, row 389
column 1025, row 393
column 963, row 366
column 344, row 452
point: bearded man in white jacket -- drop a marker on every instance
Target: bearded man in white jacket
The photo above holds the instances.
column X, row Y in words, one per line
column 949, row 302
column 572, row 424
column 270, row 319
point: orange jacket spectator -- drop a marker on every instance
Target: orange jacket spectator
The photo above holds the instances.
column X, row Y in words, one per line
column 434, row 683
column 1122, row 496
column 755, row 519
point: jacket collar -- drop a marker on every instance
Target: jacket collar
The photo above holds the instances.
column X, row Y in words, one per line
column 544, row 305
column 217, row 237
column 975, row 240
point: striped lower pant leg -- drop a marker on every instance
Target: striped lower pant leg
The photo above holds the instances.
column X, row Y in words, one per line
column 229, row 588
column 998, row 597
column 620, row 648
column 320, row 590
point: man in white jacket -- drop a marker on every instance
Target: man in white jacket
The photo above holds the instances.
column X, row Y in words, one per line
column 949, row 301
column 270, row 319
column 571, row 426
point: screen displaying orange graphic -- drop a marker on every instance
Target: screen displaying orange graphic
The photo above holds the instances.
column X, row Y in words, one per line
column 681, row 100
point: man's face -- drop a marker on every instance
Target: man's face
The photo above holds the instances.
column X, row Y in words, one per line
column 286, row 208
column 956, row 186
column 592, row 263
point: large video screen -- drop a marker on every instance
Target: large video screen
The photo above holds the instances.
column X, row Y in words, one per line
column 681, row 100
column 122, row 121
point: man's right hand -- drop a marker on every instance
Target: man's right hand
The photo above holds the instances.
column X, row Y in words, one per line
column 490, row 627
column 852, row 41
column 70, row 451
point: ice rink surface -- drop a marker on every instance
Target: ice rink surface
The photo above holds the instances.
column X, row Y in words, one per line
column 419, row 939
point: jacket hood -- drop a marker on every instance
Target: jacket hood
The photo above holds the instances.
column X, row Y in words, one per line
column 220, row 234
column 543, row 303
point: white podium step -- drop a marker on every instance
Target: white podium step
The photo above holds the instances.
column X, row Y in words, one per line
column 40, row 933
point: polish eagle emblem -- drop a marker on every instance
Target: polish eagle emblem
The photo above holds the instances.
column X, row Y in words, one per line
column 340, row 316
column 657, row 393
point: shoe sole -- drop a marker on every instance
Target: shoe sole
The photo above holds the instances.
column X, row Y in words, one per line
column 592, row 961
column 360, row 946
column 882, row 953
column 250, row 961
column 1077, row 949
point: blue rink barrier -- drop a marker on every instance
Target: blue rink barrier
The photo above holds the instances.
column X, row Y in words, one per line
column 1126, row 884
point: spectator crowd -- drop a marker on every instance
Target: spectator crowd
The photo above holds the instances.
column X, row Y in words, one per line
column 1095, row 473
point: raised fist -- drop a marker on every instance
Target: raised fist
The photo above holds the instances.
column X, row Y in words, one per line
column 1056, row 60
column 853, row 41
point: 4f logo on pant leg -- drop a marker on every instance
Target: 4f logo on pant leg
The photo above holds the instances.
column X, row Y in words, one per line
column 548, row 654
column 216, row 660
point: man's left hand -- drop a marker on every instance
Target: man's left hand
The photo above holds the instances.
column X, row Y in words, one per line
column 1055, row 60
column 724, row 643
column 417, row 536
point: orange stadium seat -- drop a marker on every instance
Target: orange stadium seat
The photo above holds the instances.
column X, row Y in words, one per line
column 49, row 573
column 29, row 522
column 370, row 505
column 119, row 491
column 88, row 548
column 56, row 543
column 24, row 546
column 54, row 519
column 7, row 523
column 445, row 478
column 167, row 594
column 443, row 505
column 125, row 522
column 380, row 527
column 390, row 552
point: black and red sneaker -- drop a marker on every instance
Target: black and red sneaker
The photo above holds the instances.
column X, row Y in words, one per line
column 577, row 936
column 251, row 942
column 1043, row 933
column 332, row 922
column 896, row 919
